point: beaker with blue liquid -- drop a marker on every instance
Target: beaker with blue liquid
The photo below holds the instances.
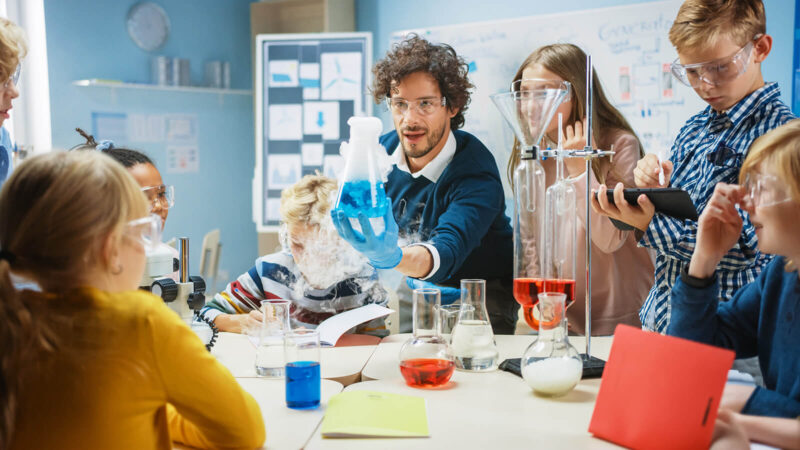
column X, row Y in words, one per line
column 361, row 185
column 303, row 378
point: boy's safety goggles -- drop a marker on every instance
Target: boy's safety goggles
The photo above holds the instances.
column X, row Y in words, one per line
column 716, row 73
column 146, row 231
column 765, row 190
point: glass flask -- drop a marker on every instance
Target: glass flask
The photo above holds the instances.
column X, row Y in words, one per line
column 473, row 343
column 426, row 360
column 551, row 365
column 361, row 187
column 528, row 109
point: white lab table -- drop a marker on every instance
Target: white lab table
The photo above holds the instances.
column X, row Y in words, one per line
column 340, row 364
column 286, row 428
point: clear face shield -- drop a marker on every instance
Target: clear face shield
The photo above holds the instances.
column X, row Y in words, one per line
column 145, row 231
column 715, row 73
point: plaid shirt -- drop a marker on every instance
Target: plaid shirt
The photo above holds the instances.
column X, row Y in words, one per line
column 710, row 148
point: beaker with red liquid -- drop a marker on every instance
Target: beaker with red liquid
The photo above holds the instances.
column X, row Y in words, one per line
column 426, row 360
column 527, row 290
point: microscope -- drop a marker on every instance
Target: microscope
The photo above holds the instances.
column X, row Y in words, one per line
column 186, row 296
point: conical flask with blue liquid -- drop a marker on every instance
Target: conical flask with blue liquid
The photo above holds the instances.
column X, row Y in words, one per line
column 361, row 185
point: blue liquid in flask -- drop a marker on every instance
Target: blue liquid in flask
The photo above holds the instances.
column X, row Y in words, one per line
column 302, row 384
column 357, row 197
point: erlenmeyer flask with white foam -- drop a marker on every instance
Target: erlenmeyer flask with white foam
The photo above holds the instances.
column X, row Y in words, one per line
column 361, row 185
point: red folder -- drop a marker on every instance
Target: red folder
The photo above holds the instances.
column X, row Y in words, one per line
column 659, row 392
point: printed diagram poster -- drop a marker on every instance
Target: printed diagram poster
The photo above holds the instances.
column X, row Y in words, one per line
column 181, row 127
column 309, row 80
column 283, row 73
column 322, row 118
column 283, row 170
column 110, row 126
column 341, row 77
column 333, row 166
column 182, row 159
column 312, row 154
column 285, row 122
column 273, row 208
column 146, row 127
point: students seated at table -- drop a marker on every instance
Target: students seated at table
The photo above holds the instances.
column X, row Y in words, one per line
column 735, row 431
column 320, row 273
column 91, row 361
column 622, row 272
column 761, row 319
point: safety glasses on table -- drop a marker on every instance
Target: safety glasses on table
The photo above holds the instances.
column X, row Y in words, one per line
column 162, row 196
column 423, row 106
column 717, row 72
column 528, row 86
column 146, row 231
column 765, row 190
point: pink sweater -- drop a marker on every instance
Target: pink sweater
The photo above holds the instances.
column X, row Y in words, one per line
column 622, row 272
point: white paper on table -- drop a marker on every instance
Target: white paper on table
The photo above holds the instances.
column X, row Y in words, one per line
column 332, row 328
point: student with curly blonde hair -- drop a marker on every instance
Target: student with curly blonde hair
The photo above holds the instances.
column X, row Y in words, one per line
column 316, row 270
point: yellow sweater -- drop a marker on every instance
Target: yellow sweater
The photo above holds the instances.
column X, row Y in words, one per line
column 122, row 358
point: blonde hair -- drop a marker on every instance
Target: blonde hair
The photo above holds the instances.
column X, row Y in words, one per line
column 568, row 61
column 702, row 22
column 779, row 149
column 13, row 48
column 308, row 200
column 57, row 210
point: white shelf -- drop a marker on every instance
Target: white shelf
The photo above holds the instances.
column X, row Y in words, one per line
column 155, row 87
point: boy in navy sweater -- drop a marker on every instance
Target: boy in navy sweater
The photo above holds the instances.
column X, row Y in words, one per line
column 444, row 185
column 760, row 319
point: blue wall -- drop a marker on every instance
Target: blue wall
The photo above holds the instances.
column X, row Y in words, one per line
column 89, row 39
column 385, row 17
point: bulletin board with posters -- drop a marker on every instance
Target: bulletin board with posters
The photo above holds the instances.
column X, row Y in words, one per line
column 307, row 86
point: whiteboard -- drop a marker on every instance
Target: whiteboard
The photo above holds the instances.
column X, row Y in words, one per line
column 630, row 50
column 307, row 86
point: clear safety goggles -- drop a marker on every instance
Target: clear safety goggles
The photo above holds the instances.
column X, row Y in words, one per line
column 162, row 196
column 14, row 78
column 527, row 87
column 146, row 231
column 717, row 72
column 423, row 106
column 765, row 190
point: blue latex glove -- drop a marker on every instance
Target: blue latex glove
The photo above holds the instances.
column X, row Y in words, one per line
column 382, row 251
column 449, row 294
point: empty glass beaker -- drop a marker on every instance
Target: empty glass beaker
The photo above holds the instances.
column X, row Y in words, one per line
column 269, row 353
column 550, row 365
column 426, row 360
column 449, row 317
column 361, row 187
column 473, row 343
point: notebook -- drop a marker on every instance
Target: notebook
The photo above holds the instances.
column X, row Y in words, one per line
column 659, row 392
column 365, row 414
column 332, row 328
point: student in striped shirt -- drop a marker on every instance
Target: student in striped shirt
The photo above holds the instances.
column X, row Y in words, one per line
column 721, row 45
column 319, row 272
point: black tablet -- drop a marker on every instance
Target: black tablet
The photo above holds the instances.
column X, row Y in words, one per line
column 673, row 202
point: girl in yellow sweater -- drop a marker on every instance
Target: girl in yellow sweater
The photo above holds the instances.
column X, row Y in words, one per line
column 90, row 362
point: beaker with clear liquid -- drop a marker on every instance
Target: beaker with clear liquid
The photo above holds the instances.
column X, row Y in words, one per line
column 274, row 326
column 551, row 365
column 361, row 185
column 425, row 359
column 473, row 343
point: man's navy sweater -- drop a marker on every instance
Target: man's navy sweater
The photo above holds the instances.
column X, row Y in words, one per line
column 762, row 319
column 462, row 214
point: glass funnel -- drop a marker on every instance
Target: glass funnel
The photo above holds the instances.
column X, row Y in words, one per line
column 551, row 365
column 473, row 343
column 361, row 187
column 528, row 109
column 426, row 360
